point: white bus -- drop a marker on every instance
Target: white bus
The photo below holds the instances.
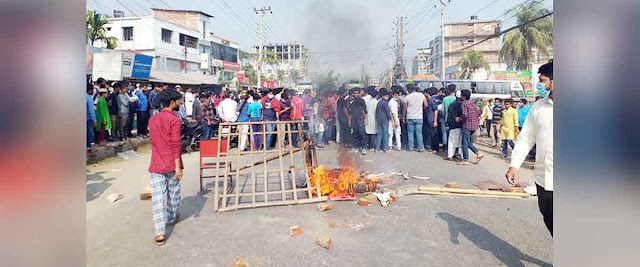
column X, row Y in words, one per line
column 479, row 88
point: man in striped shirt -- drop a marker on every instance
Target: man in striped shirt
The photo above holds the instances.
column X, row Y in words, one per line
column 471, row 122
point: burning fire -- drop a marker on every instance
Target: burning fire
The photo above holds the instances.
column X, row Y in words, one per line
column 340, row 181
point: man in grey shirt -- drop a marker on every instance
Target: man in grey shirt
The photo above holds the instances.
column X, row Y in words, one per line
column 415, row 103
column 123, row 113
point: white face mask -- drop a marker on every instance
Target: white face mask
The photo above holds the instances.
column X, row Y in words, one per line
column 250, row 100
column 270, row 96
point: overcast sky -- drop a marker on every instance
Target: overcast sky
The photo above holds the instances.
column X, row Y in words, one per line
column 340, row 34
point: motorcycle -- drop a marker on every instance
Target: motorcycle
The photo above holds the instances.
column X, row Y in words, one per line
column 191, row 135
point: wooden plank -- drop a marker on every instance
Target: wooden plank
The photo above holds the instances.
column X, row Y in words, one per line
column 264, row 155
column 279, row 148
column 469, row 191
column 292, row 167
column 238, row 160
column 468, row 195
column 263, row 161
column 217, row 177
column 276, row 203
column 253, row 172
column 304, row 160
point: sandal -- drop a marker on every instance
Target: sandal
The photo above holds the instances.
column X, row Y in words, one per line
column 159, row 242
column 479, row 158
column 463, row 163
column 447, row 158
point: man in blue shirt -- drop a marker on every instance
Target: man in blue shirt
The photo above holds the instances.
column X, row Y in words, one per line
column 91, row 117
column 523, row 111
column 142, row 111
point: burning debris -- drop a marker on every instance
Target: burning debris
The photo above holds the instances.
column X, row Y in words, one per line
column 343, row 182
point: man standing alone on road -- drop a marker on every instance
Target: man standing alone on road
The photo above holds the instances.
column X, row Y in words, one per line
column 166, row 164
column 523, row 111
column 538, row 130
column 415, row 102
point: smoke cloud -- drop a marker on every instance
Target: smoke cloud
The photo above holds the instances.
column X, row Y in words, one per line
column 332, row 26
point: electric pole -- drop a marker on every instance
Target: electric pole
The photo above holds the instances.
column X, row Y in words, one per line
column 260, row 29
column 399, row 69
column 184, row 50
column 442, row 6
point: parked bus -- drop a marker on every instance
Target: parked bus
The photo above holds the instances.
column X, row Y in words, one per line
column 479, row 88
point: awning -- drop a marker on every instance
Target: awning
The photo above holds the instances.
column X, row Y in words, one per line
column 182, row 78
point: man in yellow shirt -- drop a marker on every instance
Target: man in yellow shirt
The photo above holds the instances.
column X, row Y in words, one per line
column 509, row 127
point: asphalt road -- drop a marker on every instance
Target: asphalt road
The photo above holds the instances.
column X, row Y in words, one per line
column 417, row 230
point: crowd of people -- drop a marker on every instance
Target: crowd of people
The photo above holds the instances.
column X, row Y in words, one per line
column 370, row 119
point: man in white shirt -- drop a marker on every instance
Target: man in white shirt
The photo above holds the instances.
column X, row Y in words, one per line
column 189, row 98
column 394, row 124
column 538, row 130
column 228, row 108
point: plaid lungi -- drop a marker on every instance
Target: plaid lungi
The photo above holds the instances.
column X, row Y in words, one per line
column 165, row 196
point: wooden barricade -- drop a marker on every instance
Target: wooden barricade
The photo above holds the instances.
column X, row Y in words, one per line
column 254, row 182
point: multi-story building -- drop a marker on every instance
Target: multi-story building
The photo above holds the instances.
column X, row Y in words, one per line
column 292, row 62
column 421, row 64
column 183, row 48
column 457, row 39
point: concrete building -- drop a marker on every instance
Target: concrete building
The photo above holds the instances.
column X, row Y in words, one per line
column 421, row 62
column 458, row 36
column 183, row 48
column 293, row 63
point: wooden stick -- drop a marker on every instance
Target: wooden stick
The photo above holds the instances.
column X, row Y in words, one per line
column 260, row 162
column 264, row 155
column 253, row 172
column 279, row 148
column 277, row 203
column 304, row 161
column 458, row 194
column 225, row 186
column 292, row 167
column 470, row 191
column 237, row 193
column 216, row 187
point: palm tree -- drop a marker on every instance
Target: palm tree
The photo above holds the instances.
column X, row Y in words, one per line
column 518, row 44
column 470, row 62
column 96, row 31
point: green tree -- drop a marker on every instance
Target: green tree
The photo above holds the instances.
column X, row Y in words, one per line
column 518, row 44
column 96, row 31
column 250, row 73
column 470, row 62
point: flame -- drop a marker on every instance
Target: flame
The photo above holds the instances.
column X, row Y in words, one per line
column 337, row 181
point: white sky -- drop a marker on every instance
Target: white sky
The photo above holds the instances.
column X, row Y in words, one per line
column 339, row 34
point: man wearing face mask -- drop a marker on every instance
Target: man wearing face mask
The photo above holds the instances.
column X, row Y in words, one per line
column 538, row 130
column 523, row 111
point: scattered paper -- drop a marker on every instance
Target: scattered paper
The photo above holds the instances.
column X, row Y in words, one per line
column 421, row 177
column 114, row 197
column 127, row 155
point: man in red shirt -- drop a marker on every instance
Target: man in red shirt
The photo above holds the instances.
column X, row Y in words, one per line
column 296, row 114
column 166, row 163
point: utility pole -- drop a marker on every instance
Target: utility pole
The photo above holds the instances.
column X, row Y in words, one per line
column 442, row 6
column 260, row 12
column 399, row 69
column 401, row 48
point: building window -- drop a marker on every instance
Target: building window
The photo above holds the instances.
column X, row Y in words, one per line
column 188, row 41
column 127, row 33
column 166, row 35
column 204, row 30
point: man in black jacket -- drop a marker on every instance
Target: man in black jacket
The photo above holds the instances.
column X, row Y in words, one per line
column 357, row 121
column 454, row 120
column 383, row 117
